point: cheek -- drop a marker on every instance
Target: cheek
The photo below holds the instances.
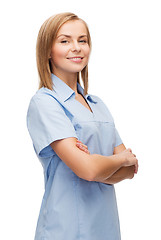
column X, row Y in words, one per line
column 57, row 54
column 87, row 51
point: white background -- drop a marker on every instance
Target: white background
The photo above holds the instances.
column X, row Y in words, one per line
column 124, row 70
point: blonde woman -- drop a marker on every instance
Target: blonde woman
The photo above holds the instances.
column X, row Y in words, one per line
column 75, row 138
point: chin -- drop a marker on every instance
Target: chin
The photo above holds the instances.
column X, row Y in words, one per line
column 75, row 70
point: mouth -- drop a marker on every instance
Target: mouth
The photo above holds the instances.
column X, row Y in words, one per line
column 76, row 59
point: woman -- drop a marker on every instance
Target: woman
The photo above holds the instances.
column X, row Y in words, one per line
column 74, row 137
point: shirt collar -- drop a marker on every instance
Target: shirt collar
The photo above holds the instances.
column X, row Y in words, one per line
column 65, row 92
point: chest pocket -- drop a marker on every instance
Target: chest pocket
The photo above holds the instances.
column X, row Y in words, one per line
column 99, row 136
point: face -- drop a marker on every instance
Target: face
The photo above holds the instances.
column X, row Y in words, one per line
column 70, row 51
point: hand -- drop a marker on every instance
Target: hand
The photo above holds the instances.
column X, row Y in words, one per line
column 82, row 147
column 136, row 168
column 130, row 171
column 129, row 158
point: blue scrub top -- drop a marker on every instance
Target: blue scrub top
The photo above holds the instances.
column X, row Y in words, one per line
column 73, row 208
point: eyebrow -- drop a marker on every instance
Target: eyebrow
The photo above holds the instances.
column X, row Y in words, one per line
column 70, row 36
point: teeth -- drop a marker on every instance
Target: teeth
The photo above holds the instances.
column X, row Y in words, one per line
column 75, row 58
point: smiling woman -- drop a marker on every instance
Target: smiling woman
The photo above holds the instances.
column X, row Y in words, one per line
column 48, row 35
column 79, row 200
column 70, row 49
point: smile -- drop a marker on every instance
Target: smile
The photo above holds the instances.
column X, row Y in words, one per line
column 76, row 59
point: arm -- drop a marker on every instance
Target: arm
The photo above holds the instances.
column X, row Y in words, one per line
column 124, row 172
column 91, row 167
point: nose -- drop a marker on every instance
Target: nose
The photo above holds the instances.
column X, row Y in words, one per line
column 75, row 46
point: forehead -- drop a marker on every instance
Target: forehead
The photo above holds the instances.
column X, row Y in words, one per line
column 73, row 27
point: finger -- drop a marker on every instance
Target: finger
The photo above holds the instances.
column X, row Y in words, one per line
column 136, row 167
column 85, row 146
column 82, row 148
column 88, row 152
column 129, row 149
column 79, row 141
column 136, row 170
column 81, row 144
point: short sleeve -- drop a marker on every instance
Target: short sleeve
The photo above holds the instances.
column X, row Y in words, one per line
column 118, row 139
column 46, row 123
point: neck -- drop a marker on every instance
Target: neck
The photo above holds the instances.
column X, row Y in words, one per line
column 69, row 78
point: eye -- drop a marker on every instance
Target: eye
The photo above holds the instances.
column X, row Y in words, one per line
column 64, row 41
column 83, row 41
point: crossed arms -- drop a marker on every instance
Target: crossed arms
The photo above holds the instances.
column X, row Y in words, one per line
column 94, row 167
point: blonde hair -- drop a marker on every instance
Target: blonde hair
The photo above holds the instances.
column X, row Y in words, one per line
column 45, row 39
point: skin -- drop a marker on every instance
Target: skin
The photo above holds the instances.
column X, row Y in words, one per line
column 71, row 41
column 123, row 173
column 93, row 167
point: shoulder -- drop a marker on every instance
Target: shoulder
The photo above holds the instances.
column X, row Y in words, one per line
column 45, row 107
column 45, row 97
column 45, row 103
